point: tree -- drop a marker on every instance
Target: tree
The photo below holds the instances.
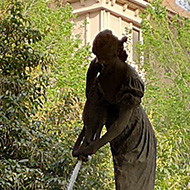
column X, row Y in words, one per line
column 166, row 62
column 23, row 82
column 41, row 46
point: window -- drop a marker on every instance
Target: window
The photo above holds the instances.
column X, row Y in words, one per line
column 136, row 38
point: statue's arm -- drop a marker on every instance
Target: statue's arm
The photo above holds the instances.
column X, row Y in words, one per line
column 78, row 145
column 116, row 129
column 79, row 141
column 92, row 73
column 131, row 92
column 127, row 99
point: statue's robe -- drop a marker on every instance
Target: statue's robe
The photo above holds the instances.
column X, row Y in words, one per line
column 134, row 150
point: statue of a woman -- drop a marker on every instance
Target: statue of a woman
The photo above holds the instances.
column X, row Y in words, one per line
column 114, row 92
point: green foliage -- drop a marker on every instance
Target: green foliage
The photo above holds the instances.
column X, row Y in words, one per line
column 22, row 92
column 166, row 62
column 61, row 43
column 63, row 111
column 23, row 82
column 36, row 137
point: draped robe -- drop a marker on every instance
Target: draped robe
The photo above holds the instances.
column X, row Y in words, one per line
column 134, row 149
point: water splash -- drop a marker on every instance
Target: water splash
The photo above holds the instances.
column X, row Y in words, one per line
column 74, row 175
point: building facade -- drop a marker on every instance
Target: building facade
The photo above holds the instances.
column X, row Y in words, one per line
column 117, row 15
column 181, row 7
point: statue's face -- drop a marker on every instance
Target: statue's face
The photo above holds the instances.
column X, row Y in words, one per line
column 105, row 45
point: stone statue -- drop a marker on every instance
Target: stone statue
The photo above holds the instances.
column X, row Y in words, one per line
column 114, row 91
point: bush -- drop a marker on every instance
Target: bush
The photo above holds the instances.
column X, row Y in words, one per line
column 37, row 136
column 166, row 62
column 23, row 84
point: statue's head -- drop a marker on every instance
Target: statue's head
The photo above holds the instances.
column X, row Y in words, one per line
column 107, row 45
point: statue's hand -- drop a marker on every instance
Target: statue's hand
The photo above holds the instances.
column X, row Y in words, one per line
column 75, row 153
column 85, row 151
column 90, row 149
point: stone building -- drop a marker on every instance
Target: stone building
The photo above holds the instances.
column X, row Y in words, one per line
column 181, row 7
column 117, row 15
